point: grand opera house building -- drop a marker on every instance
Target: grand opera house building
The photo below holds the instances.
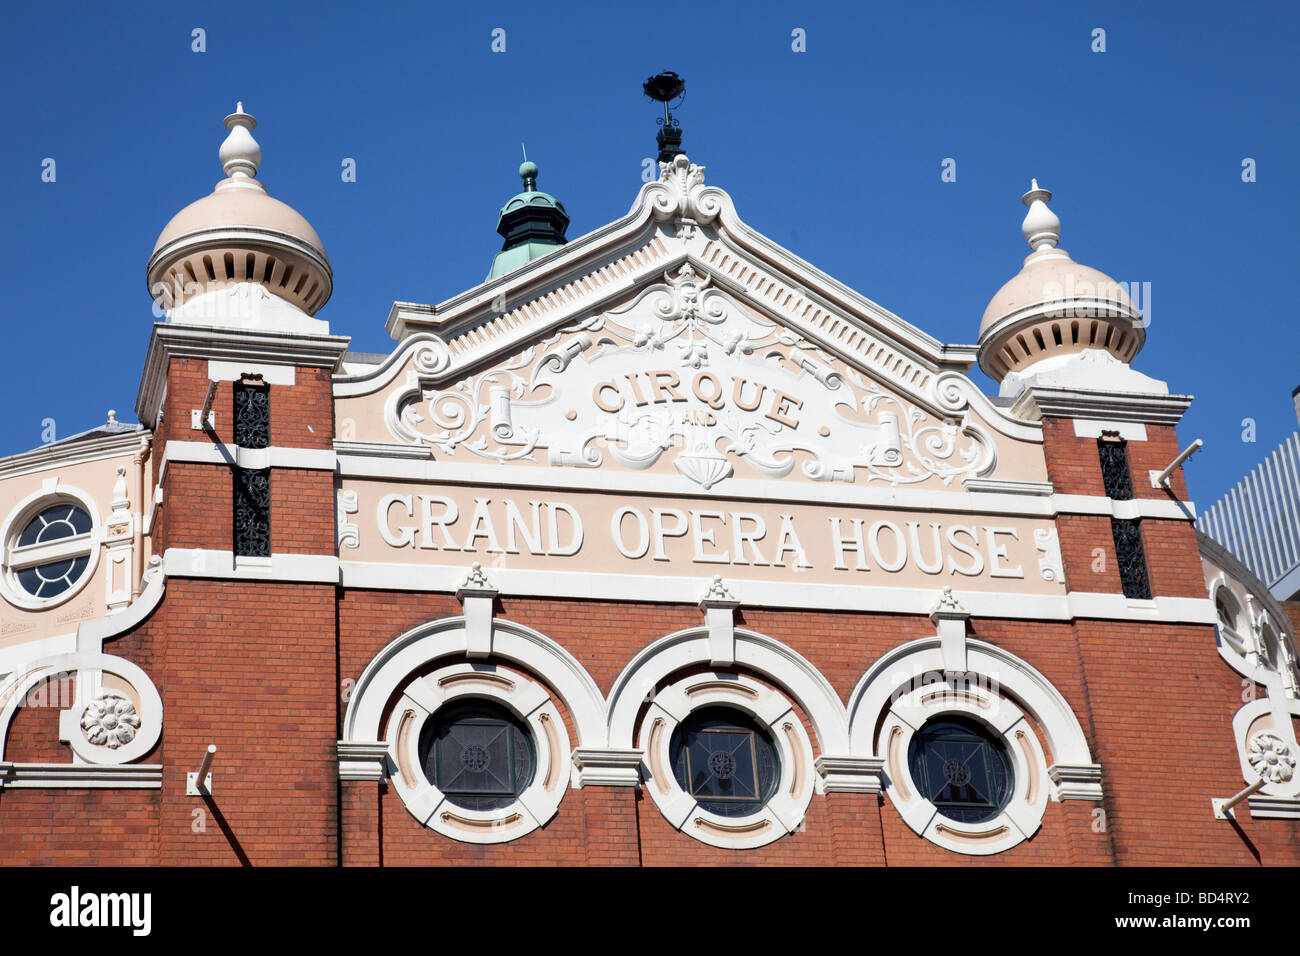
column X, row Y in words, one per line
column 658, row 546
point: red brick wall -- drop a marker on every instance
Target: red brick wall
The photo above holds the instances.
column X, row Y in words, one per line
column 302, row 511
column 302, row 415
column 250, row 667
column 1074, row 467
column 1088, row 553
column 854, row 828
column 198, row 498
column 264, row 669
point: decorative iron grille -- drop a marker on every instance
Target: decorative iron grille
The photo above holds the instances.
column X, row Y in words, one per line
column 963, row 769
column 252, row 416
column 1115, row 473
column 1132, row 559
column 480, row 756
column 724, row 760
column 252, row 513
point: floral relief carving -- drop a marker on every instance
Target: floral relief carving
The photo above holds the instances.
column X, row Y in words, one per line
column 1271, row 758
column 110, row 721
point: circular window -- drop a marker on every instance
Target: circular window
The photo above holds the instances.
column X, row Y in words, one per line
column 49, row 553
column 1268, row 646
column 725, row 761
column 1226, row 611
column 481, row 753
column 961, row 768
column 478, row 754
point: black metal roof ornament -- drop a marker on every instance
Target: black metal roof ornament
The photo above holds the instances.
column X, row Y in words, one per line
column 665, row 88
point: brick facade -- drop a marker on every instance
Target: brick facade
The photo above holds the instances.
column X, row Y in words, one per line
column 264, row 670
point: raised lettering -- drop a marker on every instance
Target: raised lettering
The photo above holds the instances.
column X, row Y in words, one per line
column 665, row 383
column 900, row 544
column 851, row 543
column 554, row 508
column 481, row 527
column 788, row 540
column 660, row 532
column 405, row 536
column 597, row 396
column 740, row 537
column 996, row 551
column 532, row 534
column 714, row 398
column 976, row 567
column 616, row 527
column 428, row 520
column 702, row 537
column 781, row 409
column 737, row 387
column 913, row 531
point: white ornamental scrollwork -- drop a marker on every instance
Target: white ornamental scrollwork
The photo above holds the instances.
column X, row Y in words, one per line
column 431, row 357
column 718, row 384
column 1271, row 758
column 1049, row 566
column 349, row 535
column 681, row 196
column 686, row 309
column 939, row 449
column 449, row 419
column 110, row 721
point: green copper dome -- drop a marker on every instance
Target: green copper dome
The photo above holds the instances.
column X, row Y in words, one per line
column 532, row 224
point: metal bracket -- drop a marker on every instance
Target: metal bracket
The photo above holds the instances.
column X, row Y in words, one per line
column 198, row 783
column 1223, row 808
column 1160, row 479
column 205, row 419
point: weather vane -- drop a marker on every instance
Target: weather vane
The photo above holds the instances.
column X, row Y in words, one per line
column 665, row 88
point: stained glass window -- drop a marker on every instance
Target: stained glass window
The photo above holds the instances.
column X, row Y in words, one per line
column 53, row 551
column 725, row 760
column 961, row 768
column 479, row 755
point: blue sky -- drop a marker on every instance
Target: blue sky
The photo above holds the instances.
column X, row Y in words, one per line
column 835, row 153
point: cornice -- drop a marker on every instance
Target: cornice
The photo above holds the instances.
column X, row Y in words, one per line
column 52, row 776
column 59, row 454
column 269, row 348
column 1036, row 402
column 667, row 212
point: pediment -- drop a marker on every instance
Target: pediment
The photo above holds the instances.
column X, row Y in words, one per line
column 690, row 349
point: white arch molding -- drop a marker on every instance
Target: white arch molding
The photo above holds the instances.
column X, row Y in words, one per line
column 534, row 652
column 90, row 667
column 784, row 809
column 529, row 702
column 767, row 657
column 910, row 685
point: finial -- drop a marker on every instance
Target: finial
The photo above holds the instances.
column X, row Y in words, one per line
column 665, row 88
column 528, row 173
column 112, row 415
column 240, row 155
column 1041, row 227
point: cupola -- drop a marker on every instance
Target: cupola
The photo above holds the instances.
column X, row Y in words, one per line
column 237, row 239
column 1054, row 308
column 532, row 224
